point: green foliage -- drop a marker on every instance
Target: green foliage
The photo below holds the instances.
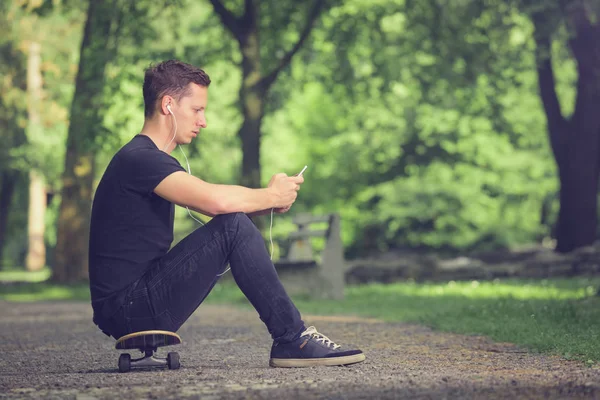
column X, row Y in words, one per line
column 434, row 142
column 194, row 27
column 13, row 105
column 57, row 29
column 421, row 129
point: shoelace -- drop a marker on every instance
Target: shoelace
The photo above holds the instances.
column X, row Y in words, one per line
column 319, row 337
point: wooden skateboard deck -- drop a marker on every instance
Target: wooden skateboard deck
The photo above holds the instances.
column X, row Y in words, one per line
column 147, row 340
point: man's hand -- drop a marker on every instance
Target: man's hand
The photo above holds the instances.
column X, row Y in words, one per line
column 285, row 188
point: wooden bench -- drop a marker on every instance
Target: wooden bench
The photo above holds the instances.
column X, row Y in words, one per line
column 301, row 272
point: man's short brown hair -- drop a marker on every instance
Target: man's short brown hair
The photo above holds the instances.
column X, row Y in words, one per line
column 171, row 78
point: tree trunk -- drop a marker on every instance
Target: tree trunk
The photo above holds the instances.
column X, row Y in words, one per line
column 8, row 183
column 253, row 109
column 256, row 84
column 575, row 142
column 13, row 86
column 71, row 260
column 580, row 166
column 36, row 250
column 579, row 172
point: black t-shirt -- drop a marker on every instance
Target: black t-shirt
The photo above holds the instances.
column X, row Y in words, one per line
column 131, row 226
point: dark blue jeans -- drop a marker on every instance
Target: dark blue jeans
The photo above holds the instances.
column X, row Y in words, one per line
column 175, row 285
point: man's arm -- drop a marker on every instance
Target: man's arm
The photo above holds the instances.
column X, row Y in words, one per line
column 281, row 210
column 259, row 213
column 213, row 199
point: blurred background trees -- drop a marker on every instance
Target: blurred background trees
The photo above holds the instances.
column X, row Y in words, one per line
column 437, row 125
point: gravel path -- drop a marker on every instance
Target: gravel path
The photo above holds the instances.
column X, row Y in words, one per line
column 52, row 350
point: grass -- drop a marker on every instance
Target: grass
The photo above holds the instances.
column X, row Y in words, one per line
column 30, row 292
column 20, row 275
column 20, row 285
column 558, row 316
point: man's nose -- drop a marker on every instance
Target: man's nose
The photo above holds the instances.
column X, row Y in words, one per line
column 202, row 123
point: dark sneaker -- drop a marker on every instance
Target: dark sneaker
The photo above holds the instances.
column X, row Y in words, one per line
column 312, row 349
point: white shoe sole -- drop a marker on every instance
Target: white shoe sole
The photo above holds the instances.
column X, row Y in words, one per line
column 315, row 362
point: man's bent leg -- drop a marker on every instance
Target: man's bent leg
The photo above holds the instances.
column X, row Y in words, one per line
column 181, row 280
column 257, row 278
column 178, row 283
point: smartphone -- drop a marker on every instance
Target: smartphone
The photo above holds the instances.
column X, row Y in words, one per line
column 303, row 169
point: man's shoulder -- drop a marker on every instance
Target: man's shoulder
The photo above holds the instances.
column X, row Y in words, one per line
column 140, row 155
column 139, row 144
column 140, row 149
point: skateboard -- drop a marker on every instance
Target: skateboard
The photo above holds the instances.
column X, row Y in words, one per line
column 147, row 342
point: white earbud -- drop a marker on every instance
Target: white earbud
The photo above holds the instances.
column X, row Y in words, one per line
column 175, row 126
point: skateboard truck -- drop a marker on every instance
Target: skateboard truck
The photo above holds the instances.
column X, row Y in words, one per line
column 147, row 342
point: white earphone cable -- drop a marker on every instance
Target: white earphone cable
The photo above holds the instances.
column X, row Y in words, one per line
column 271, row 233
column 189, row 172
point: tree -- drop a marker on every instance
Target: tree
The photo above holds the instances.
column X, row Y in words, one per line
column 36, row 249
column 13, row 115
column 36, row 158
column 575, row 141
column 86, row 123
column 111, row 27
column 256, row 79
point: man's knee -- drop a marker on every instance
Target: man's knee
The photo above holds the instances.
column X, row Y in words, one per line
column 236, row 221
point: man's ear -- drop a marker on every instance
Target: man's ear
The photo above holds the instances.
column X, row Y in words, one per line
column 166, row 103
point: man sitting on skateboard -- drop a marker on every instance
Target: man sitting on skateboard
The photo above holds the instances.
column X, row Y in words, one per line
column 137, row 283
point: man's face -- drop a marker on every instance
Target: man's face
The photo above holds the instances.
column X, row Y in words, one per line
column 189, row 112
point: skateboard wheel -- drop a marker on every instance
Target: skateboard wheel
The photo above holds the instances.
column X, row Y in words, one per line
column 124, row 363
column 173, row 360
